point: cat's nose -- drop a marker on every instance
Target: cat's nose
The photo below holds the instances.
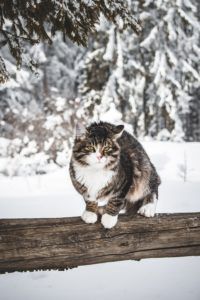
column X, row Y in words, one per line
column 99, row 156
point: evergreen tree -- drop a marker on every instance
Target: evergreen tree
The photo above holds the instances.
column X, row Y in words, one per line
column 150, row 78
column 33, row 21
column 150, row 82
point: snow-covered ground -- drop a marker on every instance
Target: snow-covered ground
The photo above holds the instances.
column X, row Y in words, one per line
column 52, row 195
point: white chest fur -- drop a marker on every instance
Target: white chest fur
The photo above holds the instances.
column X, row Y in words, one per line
column 93, row 178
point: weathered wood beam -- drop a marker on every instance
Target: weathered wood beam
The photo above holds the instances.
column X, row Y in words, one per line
column 41, row 244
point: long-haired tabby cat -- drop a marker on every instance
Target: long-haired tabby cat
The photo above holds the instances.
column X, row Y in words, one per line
column 108, row 164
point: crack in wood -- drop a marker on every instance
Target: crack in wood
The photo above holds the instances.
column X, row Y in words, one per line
column 37, row 248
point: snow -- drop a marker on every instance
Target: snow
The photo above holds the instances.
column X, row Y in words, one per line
column 52, row 195
column 120, row 280
column 188, row 68
column 150, row 82
column 52, row 122
column 149, row 40
column 108, row 55
column 190, row 19
column 37, row 53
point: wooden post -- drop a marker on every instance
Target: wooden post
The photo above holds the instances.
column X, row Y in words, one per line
column 41, row 244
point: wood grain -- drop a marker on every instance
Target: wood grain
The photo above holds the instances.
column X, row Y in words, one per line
column 41, row 244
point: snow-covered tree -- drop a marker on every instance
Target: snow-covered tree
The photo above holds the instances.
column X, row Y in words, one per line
column 150, row 82
column 152, row 78
column 172, row 47
column 34, row 21
column 35, row 108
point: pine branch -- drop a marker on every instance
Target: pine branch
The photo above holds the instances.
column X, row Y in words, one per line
column 34, row 21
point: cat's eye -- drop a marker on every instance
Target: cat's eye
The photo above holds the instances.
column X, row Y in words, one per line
column 89, row 148
column 107, row 148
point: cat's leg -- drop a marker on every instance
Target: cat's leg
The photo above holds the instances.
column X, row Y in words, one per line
column 148, row 208
column 132, row 208
column 112, row 209
column 90, row 213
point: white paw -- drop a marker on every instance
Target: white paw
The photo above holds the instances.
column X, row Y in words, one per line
column 89, row 217
column 148, row 210
column 108, row 221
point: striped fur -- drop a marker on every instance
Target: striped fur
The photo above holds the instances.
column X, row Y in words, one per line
column 110, row 165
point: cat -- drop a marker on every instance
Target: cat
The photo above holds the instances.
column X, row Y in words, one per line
column 109, row 165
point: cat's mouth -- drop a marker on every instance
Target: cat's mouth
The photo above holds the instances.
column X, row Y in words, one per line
column 100, row 162
column 94, row 161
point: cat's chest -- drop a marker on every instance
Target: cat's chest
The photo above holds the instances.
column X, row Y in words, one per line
column 94, row 179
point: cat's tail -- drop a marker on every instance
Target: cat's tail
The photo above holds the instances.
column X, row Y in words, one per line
column 158, row 183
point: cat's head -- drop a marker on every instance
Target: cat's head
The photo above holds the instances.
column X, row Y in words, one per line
column 97, row 144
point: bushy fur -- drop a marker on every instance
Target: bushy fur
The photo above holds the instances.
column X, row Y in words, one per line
column 123, row 176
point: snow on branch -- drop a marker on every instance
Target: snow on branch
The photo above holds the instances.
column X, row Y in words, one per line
column 38, row 21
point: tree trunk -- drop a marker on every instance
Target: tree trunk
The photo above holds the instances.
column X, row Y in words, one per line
column 41, row 244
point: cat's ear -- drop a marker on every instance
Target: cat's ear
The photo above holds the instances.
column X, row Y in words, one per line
column 80, row 130
column 118, row 130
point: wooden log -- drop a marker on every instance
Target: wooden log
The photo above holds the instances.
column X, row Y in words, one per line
column 41, row 244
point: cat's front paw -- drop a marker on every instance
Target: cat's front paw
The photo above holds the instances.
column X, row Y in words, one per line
column 89, row 217
column 147, row 210
column 109, row 221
